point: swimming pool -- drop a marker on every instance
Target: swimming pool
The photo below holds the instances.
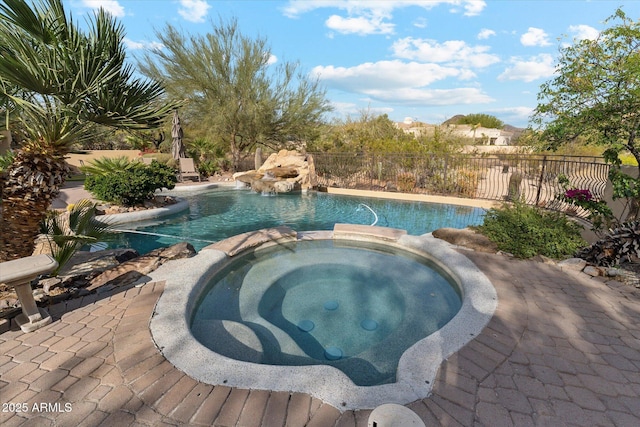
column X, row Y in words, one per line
column 217, row 214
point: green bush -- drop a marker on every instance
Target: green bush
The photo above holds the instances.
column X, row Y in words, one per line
column 108, row 165
column 526, row 231
column 406, row 182
column 208, row 168
column 132, row 186
column 164, row 158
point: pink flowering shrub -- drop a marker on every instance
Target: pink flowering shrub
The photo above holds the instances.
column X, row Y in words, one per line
column 578, row 195
column 600, row 214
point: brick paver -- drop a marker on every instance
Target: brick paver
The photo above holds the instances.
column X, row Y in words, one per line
column 561, row 349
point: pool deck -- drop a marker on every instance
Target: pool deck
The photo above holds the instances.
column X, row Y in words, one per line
column 561, row 349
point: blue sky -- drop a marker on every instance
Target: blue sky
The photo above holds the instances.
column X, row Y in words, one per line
column 425, row 59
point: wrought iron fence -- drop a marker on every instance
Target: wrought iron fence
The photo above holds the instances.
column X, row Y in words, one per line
column 531, row 178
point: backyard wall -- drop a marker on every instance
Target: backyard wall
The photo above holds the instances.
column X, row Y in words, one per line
column 74, row 159
column 618, row 206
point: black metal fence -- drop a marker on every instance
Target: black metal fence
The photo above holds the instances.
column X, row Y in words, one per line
column 531, row 178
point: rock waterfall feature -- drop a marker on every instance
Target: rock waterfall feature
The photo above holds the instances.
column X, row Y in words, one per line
column 282, row 172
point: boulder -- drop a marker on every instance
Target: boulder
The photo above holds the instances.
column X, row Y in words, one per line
column 177, row 251
column 84, row 262
column 467, row 238
column 131, row 271
column 575, row 264
column 49, row 284
column 283, row 186
column 260, row 186
column 297, row 170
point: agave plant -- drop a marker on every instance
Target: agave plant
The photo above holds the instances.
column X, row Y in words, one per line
column 106, row 165
column 60, row 82
column 68, row 232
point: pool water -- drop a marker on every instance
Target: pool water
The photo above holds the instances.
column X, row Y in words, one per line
column 352, row 305
column 221, row 213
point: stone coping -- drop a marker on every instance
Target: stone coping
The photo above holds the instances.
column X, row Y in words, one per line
column 417, row 368
column 353, row 231
column 195, row 187
column 181, row 205
column 241, row 242
column 123, row 218
column 459, row 201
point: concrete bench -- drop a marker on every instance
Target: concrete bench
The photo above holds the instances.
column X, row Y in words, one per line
column 18, row 274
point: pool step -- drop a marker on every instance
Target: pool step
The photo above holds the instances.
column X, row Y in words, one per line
column 343, row 231
column 236, row 244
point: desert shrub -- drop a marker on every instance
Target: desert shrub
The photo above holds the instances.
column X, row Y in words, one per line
column 526, row 231
column 406, row 182
column 107, row 165
column 132, row 186
column 208, row 168
column 164, row 158
column 467, row 182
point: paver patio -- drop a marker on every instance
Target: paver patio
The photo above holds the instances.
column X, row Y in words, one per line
column 561, row 349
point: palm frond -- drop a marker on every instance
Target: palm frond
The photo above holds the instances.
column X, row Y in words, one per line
column 106, row 165
column 67, row 233
column 70, row 78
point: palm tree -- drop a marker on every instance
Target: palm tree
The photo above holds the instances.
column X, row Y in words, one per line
column 68, row 81
column 68, row 232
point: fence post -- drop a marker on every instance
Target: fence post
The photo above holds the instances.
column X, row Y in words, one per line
column 544, row 164
column 373, row 173
column 444, row 180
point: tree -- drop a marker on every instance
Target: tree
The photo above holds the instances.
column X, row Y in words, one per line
column 595, row 95
column 367, row 133
column 58, row 83
column 377, row 134
column 229, row 83
column 481, row 120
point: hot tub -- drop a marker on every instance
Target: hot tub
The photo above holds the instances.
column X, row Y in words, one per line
column 387, row 308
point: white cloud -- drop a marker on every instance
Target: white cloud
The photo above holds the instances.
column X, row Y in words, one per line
column 400, row 82
column 583, row 32
column 422, row 97
column 272, row 59
column 535, row 68
column 296, row 8
column 193, row 10
column 453, row 52
column 535, row 37
column 134, row 45
column 513, row 114
column 345, row 109
column 384, row 74
column 359, row 25
column 420, row 22
column 485, row 33
column 111, row 6
column 474, row 7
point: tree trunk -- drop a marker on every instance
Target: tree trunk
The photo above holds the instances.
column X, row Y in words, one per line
column 32, row 182
column 20, row 225
column 236, row 154
column 634, row 203
column 634, row 210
